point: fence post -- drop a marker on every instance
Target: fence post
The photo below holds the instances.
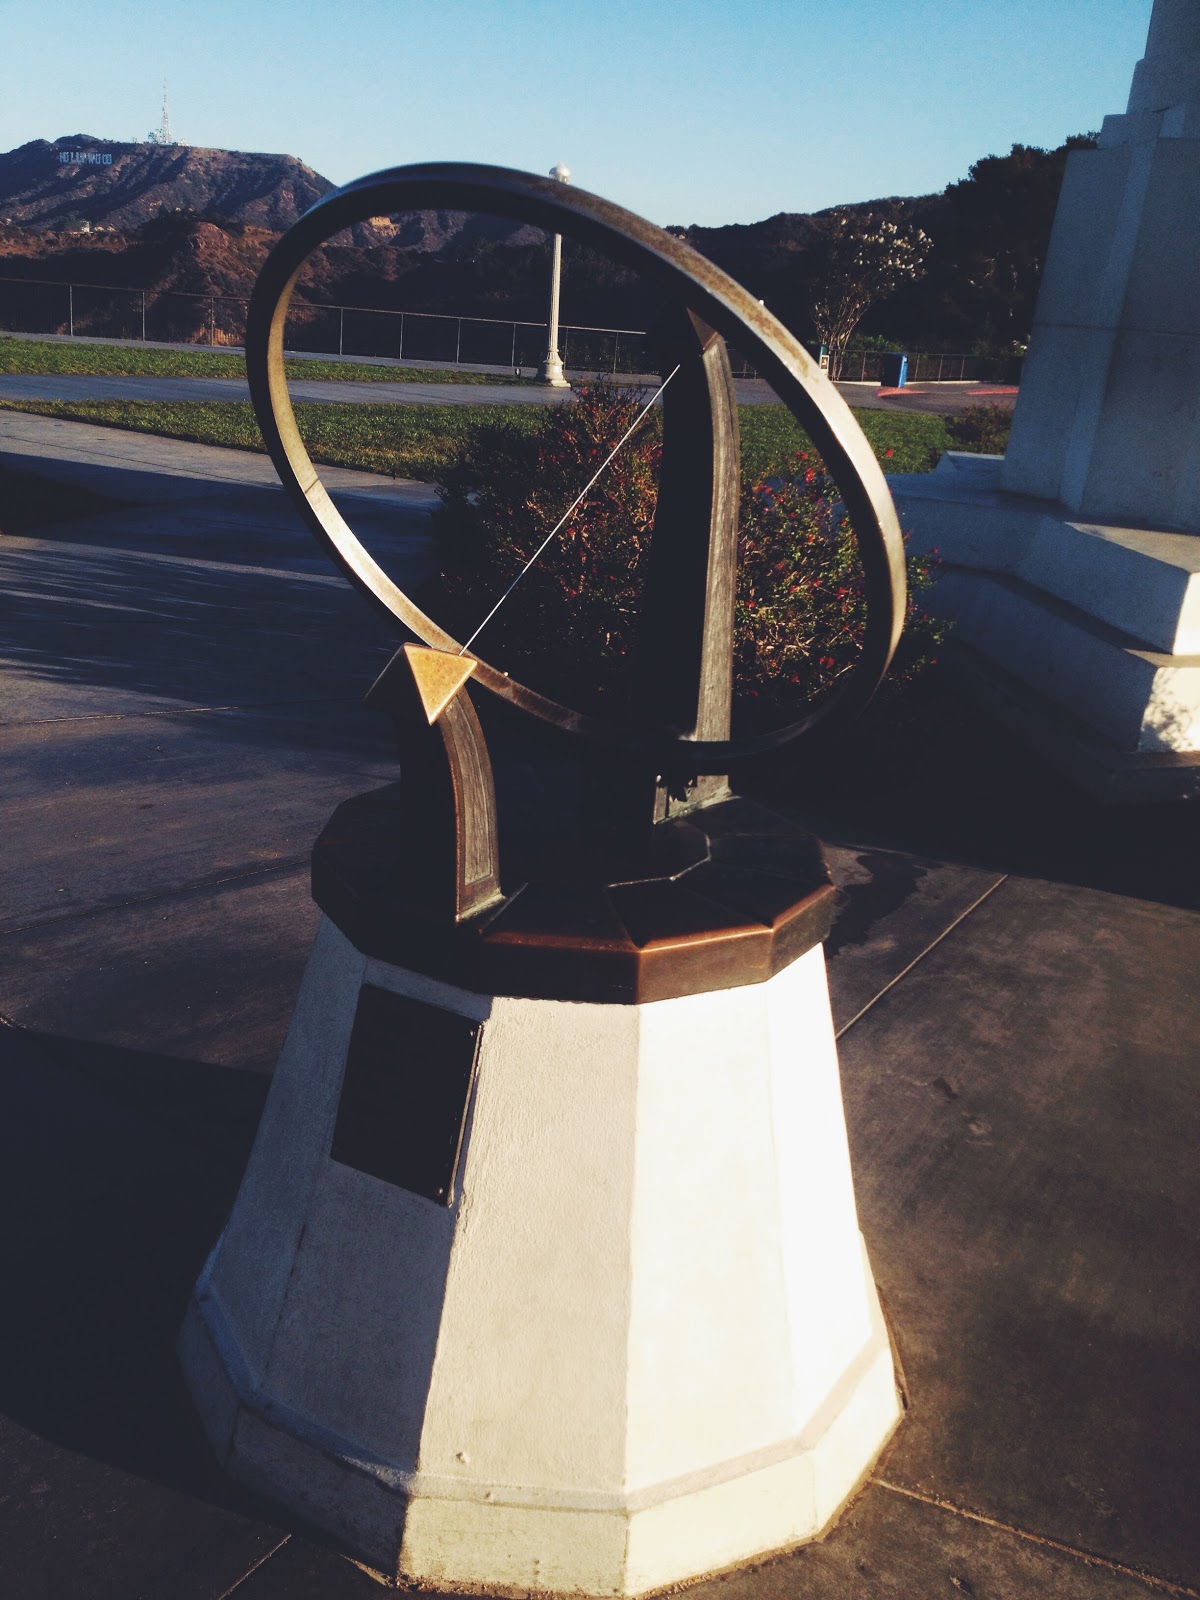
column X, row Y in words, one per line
column 209, row 335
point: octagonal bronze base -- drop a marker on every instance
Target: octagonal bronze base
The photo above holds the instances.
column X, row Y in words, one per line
column 725, row 896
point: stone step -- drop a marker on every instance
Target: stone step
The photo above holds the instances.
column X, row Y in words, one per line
column 1138, row 699
column 1147, row 584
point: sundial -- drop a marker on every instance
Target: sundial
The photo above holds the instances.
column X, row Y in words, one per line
column 520, row 1294
column 671, row 882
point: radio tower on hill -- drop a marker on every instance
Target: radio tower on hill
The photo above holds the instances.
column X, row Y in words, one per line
column 162, row 134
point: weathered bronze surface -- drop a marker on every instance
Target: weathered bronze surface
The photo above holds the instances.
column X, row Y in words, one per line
column 685, row 631
column 727, row 895
column 449, row 810
column 438, row 677
column 666, row 746
column 662, row 885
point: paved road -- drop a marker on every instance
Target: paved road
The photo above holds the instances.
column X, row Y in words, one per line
column 945, row 398
column 56, row 387
column 180, row 687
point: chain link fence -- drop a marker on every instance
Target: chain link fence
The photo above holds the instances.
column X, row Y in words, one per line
column 932, row 366
column 169, row 316
column 219, row 321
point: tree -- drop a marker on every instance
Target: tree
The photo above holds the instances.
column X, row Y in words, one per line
column 852, row 262
column 988, row 260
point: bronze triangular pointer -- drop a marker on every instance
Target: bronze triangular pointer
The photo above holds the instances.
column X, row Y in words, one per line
column 438, row 676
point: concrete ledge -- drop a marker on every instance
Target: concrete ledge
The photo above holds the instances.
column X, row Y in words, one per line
column 1143, row 582
column 1110, row 776
column 962, row 511
column 1137, row 699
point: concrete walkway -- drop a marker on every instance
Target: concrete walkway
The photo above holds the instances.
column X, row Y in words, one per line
column 180, row 682
column 946, row 399
column 55, row 387
column 145, row 468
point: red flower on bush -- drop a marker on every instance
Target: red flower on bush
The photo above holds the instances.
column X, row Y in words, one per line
column 570, row 627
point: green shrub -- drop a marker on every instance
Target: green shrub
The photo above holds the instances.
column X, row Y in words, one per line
column 982, row 429
column 801, row 600
column 569, row 627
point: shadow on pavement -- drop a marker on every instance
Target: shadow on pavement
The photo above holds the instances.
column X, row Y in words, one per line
column 942, row 778
column 118, row 1169
column 28, row 501
column 184, row 631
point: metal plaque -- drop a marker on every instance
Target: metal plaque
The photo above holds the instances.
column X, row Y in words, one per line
column 403, row 1110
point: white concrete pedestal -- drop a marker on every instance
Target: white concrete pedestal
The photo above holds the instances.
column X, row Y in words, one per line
column 1076, row 558
column 641, row 1343
column 1082, row 634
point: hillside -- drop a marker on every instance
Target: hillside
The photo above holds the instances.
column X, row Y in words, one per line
column 177, row 219
column 81, row 179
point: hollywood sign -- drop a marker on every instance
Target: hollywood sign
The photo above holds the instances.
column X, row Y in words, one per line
column 85, row 158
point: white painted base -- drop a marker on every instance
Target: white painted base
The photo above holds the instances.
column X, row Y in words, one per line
column 1102, row 623
column 551, row 373
column 642, row 1345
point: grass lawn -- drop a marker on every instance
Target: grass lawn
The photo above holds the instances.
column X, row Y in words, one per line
column 419, row 441
column 903, row 441
column 37, row 357
column 396, row 441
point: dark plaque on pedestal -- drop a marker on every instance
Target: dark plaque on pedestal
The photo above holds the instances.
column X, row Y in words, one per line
column 404, row 1100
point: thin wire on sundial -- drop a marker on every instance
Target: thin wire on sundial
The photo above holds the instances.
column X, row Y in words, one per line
column 579, row 498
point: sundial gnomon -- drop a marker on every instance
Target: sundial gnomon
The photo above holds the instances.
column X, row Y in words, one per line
column 682, row 728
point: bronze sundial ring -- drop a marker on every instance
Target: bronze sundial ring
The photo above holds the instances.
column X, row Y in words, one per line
column 689, row 280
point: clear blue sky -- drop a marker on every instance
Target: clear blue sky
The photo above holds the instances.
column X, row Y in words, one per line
column 684, row 110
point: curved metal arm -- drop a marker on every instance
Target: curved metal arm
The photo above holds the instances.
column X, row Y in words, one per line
column 686, row 276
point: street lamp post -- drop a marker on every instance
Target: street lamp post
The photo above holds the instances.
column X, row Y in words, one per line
column 551, row 369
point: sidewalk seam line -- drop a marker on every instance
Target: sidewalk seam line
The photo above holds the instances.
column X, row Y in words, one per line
column 945, row 934
column 184, row 711
column 13, row 542
column 1089, row 1556
column 250, row 1571
column 199, row 885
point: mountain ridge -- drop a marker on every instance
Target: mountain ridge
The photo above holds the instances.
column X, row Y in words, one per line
column 200, row 222
column 81, row 183
column 68, row 182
